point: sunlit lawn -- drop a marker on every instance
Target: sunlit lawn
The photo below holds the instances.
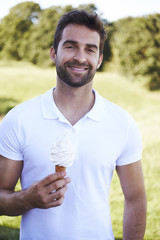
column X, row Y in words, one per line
column 19, row 82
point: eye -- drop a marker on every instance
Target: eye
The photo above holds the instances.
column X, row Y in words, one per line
column 69, row 46
column 91, row 50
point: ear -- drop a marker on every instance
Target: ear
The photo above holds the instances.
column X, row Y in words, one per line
column 53, row 54
column 100, row 61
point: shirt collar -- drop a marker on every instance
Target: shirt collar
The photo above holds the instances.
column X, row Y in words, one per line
column 50, row 110
column 48, row 105
column 97, row 111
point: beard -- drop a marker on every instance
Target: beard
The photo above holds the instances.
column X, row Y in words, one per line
column 77, row 80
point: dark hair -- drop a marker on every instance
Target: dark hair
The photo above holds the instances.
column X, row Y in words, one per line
column 80, row 17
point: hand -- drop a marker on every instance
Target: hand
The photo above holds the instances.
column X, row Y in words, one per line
column 48, row 192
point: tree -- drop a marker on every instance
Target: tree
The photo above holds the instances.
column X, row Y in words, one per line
column 137, row 41
column 15, row 28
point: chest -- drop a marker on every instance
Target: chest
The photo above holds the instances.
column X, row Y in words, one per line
column 97, row 148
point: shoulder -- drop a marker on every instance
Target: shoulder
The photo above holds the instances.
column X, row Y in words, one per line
column 115, row 113
column 22, row 114
column 25, row 109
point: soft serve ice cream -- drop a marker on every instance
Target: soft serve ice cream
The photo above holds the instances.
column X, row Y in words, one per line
column 62, row 152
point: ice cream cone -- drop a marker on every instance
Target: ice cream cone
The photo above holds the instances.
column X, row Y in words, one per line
column 60, row 168
column 62, row 152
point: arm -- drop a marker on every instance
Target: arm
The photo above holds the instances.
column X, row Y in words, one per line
column 135, row 203
column 40, row 194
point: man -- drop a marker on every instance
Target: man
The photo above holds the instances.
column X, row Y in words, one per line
column 105, row 138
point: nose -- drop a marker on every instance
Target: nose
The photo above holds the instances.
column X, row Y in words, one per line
column 80, row 56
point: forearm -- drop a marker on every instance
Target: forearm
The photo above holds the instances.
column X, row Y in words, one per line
column 13, row 203
column 134, row 221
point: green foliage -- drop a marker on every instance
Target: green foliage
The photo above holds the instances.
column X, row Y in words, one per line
column 107, row 52
column 15, row 28
column 41, row 36
column 88, row 7
column 137, row 41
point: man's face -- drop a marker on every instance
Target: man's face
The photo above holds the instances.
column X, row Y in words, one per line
column 77, row 57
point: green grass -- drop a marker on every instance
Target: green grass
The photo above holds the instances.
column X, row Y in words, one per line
column 7, row 233
column 22, row 81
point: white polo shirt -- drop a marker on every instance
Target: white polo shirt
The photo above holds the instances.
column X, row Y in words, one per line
column 105, row 137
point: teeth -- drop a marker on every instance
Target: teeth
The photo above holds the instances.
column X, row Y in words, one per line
column 78, row 69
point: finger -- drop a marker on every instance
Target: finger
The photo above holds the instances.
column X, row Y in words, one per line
column 51, row 178
column 58, row 193
column 57, row 198
column 57, row 184
column 56, row 203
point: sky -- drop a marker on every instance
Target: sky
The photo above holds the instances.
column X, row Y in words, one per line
column 111, row 10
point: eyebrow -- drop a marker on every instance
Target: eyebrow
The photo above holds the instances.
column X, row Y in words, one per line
column 76, row 43
column 70, row 41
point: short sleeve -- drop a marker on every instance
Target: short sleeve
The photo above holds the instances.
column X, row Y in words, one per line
column 10, row 136
column 132, row 150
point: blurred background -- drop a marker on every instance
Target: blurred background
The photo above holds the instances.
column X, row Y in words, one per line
column 129, row 76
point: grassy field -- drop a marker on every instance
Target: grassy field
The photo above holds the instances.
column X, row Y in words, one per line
column 20, row 81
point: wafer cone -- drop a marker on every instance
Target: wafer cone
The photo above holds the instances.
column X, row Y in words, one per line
column 60, row 168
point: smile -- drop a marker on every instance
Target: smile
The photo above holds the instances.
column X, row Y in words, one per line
column 80, row 69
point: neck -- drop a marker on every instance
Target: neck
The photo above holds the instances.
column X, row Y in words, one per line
column 74, row 103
